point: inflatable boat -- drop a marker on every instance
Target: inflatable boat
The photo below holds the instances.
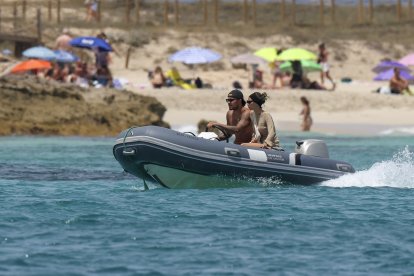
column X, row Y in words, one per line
column 174, row 159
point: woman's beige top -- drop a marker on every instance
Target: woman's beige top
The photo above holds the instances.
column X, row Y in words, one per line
column 265, row 127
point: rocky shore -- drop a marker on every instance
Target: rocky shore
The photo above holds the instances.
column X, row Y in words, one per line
column 32, row 106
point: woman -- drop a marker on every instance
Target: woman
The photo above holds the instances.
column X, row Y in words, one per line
column 307, row 119
column 158, row 79
column 264, row 134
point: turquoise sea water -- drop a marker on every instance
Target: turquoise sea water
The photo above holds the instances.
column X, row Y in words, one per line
column 66, row 208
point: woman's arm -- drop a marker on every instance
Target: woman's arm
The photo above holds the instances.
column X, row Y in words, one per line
column 271, row 131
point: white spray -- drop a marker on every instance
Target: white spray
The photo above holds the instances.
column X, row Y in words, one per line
column 397, row 173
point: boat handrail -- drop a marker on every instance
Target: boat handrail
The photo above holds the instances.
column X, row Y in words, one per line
column 126, row 135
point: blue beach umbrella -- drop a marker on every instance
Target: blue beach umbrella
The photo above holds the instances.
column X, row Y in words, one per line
column 387, row 75
column 7, row 52
column 386, row 65
column 195, row 55
column 65, row 56
column 90, row 42
column 39, row 52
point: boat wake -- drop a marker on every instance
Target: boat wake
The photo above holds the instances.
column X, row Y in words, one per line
column 396, row 173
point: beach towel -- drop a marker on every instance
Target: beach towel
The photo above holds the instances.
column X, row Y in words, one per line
column 174, row 75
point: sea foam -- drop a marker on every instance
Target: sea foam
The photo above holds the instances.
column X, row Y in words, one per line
column 397, row 173
column 398, row 131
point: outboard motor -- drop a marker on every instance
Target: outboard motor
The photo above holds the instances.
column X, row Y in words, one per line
column 312, row 147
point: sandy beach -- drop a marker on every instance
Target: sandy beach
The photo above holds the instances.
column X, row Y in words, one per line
column 353, row 108
column 345, row 111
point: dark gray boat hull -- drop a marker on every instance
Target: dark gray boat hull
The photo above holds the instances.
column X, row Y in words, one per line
column 176, row 160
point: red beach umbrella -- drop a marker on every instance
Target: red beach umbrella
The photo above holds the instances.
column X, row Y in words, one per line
column 31, row 64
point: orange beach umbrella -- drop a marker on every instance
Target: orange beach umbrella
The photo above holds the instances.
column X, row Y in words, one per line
column 31, row 64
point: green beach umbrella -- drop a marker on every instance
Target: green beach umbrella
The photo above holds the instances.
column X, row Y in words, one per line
column 296, row 54
column 307, row 65
column 267, row 53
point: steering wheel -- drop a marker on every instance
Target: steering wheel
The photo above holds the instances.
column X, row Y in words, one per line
column 223, row 131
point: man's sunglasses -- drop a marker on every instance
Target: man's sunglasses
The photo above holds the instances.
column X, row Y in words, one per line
column 230, row 100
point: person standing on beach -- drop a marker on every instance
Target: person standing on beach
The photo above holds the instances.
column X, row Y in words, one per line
column 238, row 119
column 63, row 41
column 277, row 74
column 306, row 113
column 323, row 61
column 91, row 10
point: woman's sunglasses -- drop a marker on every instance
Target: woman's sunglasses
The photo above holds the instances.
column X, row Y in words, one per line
column 249, row 102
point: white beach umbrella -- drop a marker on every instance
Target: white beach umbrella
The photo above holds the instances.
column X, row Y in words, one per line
column 248, row 58
column 195, row 55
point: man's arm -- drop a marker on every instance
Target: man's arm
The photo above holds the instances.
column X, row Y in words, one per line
column 222, row 136
column 244, row 122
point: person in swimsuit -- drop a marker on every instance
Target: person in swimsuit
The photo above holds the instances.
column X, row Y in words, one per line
column 264, row 134
column 323, row 61
column 307, row 119
column 398, row 84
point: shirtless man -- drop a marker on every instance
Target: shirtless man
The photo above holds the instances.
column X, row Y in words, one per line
column 238, row 118
column 398, row 85
column 323, row 61
column 63, row 41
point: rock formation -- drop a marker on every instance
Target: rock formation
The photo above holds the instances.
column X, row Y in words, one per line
column 32, row 106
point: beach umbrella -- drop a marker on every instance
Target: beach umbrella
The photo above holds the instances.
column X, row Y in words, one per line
column 307, row 66
column 248, row 59
column 387, row 75
column 7, row 52
column 65, row 56
column 195, row 55
column 31, row 64
column 267, row 53
column 296, row 54
column 386, row 65
column 91, row 42
column 408, row 60
column 39, row 52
